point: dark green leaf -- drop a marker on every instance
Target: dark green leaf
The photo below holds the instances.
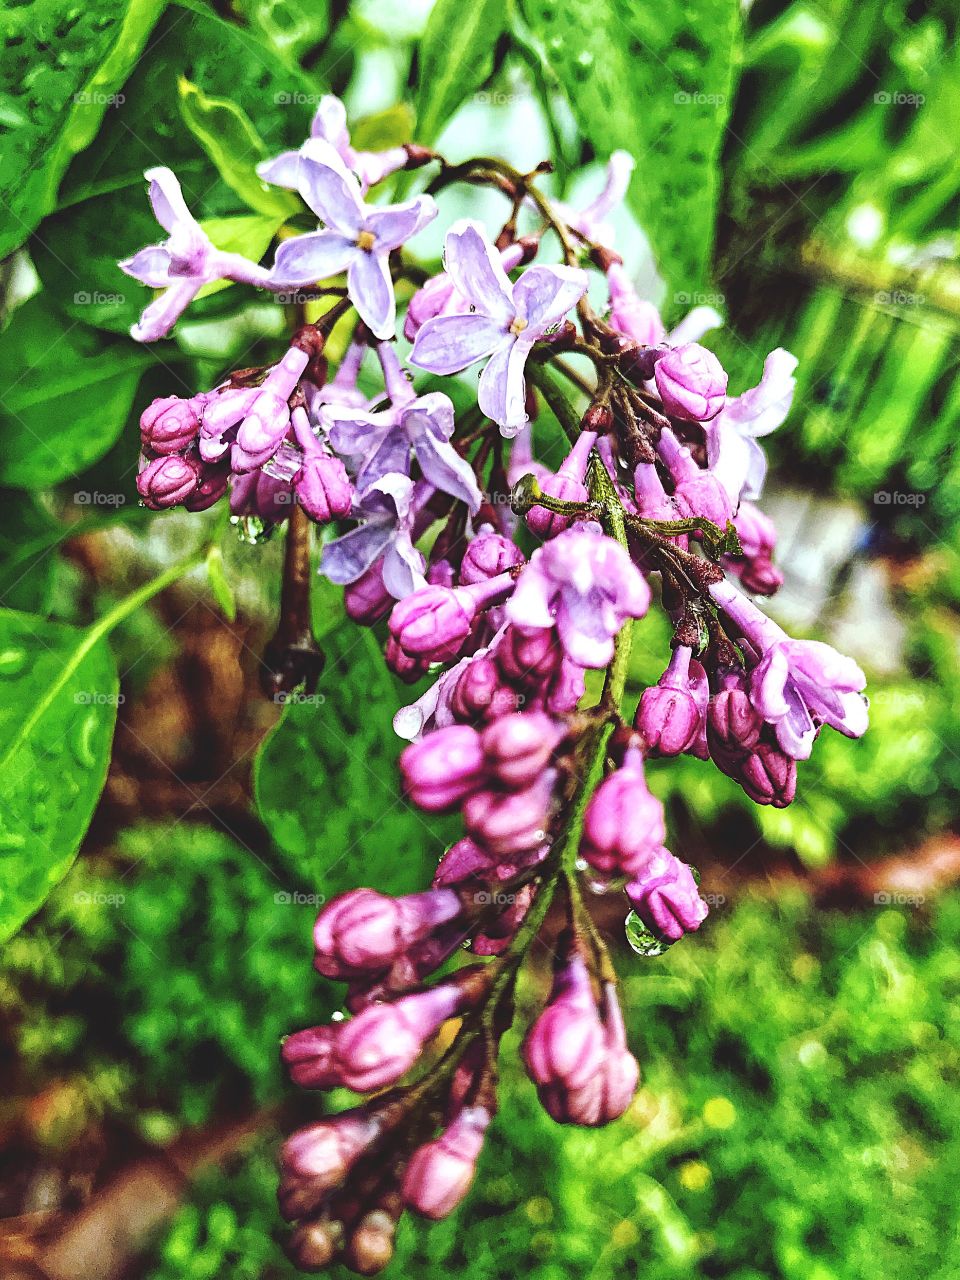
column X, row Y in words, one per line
column 68, row 399
column 456, row 56
column 57, row 716
column 326, row 781
column 62, row 69
column 227, row 136
column 28, row 540
column 657, row 81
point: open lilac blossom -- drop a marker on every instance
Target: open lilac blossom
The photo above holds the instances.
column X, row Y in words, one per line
column 439, row 296
column 584, row 584
column 589, row 222
column 753, row 414
column 330, row 125
column 797, row 685
column 386, row 511
column 357, row 238
column 504, row 322
column 183, row 264
column 386, row 440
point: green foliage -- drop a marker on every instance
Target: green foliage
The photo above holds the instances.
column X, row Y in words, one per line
column 657, row 81
column 455, row 58
column 326, row 782
column 181, row 962
column 62, row 69
column 69, row 398
column 797, row 1118
column 56, row 725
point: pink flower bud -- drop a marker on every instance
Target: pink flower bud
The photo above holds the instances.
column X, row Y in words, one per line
column 518, row 747
column 261, row 432
column 566, row 485
column 692, row 382
column 170, row 425
column 529, row 658
column 382, row 1043
column 610, row 1090
column 407, row 669
column 487, row 556
column 317, row 1159
column 666, row 898
column 433, row 623
column 439, row 1173
column 567, row 688
column 565, row 1045
column 668, row 715
column 323, row 487
column 311, row 1057
column 480, row 693
column 513, row 823
column 166, row 481
column 630, row 314
column 733, row 723
column 367, row 600
column 444, row 768
column 211, row 486
column 768, row 776
column 364, row 930
column 623, row 824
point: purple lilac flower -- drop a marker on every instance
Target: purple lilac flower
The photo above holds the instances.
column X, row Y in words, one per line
column 585, row 585
column 439, row 1173
column 797, row 684
column 387, row 511
column 691, row 381
column 439, row 296
column 503, row 324
column 330, row 125
column 183, row 264
column 589, row 222
column 747, row 417
column 357, row 238
column 384, row 441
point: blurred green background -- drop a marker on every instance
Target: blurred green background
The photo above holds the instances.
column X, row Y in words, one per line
column 798, row 169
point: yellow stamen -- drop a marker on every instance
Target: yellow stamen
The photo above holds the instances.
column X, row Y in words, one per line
column 366, row 240
column 517, row 325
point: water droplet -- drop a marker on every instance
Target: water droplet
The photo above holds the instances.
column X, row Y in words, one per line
column 641, row 940
column 12, row 661
column 82, row 733
column 585, row 59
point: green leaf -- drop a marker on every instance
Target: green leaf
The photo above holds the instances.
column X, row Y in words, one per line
column 28, row 539
column 456, row 56
column 384, row 129
column 68, row 399
column 62, row 69
column 57, row 714
column 326, row 781
column 227, row 136
column 222, row 591
column 657, row 81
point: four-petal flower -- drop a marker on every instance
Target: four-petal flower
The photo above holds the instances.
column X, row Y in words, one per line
column 504, row 322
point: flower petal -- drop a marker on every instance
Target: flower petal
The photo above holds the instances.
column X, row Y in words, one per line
column 694, row 325
column 330, row 122
column 282, row 171
column 311, row 257
column 475, row 267
column 169, row 207
column 150, row 266
column 396, row 223
column 403, row 567
column 346, row 558
column 443, row 466
column 502, row 393
column 330, row 189
column 544, row 295
column 448, row 344
column 162, row 314
column 370, row 287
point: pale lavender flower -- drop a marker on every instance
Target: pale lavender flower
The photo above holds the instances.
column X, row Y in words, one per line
column 503, row 324
column 797, row 684
column 357, row 238
column 584, row 584
column 589, row 221
column 183, row 264
column 386, row 511
column 732, row 436
column 382, row 442
column 330, row 125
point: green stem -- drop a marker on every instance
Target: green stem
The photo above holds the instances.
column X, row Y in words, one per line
column 564, row 411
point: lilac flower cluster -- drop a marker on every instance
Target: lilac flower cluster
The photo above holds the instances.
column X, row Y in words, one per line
column 501, row 583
